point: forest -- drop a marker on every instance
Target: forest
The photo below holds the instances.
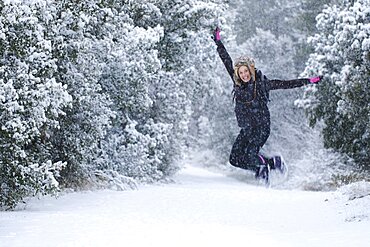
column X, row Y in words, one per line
column 112, row 93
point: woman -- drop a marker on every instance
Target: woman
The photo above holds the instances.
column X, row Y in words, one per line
column 251, row 94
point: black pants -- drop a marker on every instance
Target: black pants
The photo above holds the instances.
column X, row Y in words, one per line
column 245, row 150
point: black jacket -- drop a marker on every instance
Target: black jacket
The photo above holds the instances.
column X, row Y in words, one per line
column 253, row 111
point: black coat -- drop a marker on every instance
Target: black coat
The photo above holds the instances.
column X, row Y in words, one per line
column 252, row 111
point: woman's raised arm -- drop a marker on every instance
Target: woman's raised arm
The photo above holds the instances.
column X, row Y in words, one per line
column 222, row 52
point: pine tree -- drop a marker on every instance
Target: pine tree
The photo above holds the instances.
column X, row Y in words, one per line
column 77, row 52
column 32, row 100
column 188, row 58
column 342, row 101
column 134, row 147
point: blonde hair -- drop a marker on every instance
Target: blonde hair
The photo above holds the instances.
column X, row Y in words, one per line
column 244, row 61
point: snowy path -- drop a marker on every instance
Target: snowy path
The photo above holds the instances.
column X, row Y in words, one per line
column 202, row 209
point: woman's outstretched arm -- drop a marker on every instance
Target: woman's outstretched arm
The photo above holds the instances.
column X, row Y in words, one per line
column 286, row 84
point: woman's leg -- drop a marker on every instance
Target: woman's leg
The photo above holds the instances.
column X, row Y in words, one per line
column 244, row 153
column 263, row 135
column 237, row 150
column 260, row 136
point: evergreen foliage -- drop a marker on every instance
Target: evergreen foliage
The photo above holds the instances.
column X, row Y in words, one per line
column 31, row 102
column 98, row 92
column 342, row 55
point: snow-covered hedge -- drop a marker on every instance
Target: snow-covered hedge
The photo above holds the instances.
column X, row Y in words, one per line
column 97, row 92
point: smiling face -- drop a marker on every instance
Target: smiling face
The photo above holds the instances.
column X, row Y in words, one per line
column 244, row 73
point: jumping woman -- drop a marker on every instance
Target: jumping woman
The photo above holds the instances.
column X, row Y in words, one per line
column 251, row 95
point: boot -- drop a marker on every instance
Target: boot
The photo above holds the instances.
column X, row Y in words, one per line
column 278, row 163
column 263, row 170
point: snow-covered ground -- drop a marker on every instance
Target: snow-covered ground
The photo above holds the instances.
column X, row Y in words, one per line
column 202, row 208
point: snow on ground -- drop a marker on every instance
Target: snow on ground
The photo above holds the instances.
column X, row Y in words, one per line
column 202, row 208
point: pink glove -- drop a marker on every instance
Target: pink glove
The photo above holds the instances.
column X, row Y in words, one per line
column 216, row 34
column 315, row 79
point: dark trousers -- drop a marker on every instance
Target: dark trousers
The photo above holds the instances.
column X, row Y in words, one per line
column 246, row 148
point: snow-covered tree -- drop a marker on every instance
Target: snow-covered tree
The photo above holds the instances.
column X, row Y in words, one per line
column 81, row 51
column 137, row 145
column 101, row 90
column 188, row 58
column 293, row 20
column 274, row 54
column 31, row 102
column 305, row 17
column 272, row 15
column 341, row 101
column 303, row 25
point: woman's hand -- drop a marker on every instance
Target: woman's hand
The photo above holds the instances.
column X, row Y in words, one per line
column 315, row 79
column 216, row 34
